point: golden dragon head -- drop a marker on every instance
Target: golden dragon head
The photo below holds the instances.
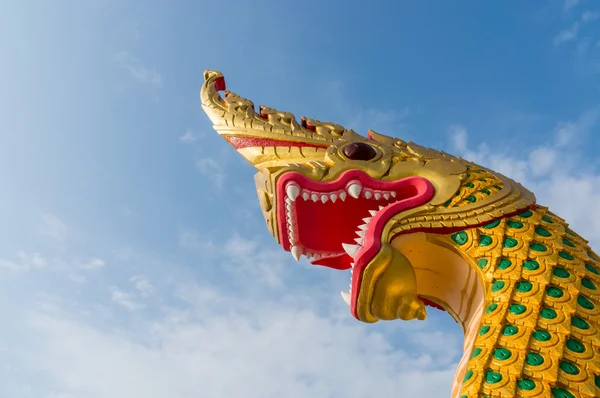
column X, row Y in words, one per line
column 340, row 199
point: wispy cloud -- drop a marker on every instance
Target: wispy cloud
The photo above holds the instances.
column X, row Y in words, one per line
column 126, row 300
column 23, row 261
column 138, row 71
column 52, row 227
column 143, row 285
column 574, row 30
column 210, row 168
column 189, row 136
column 93, row 263
column 588, row 16
column 567, row 34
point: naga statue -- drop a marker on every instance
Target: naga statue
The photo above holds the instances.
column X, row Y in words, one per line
column 418, row 227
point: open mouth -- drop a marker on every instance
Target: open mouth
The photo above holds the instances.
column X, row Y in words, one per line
column 338, row 224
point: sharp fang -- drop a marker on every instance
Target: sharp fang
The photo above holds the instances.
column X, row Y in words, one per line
column 292, row 236
column 292, row 191
column 359, row 241
column 346, row 297
column 377, row 196
column 314, row 197
column 360, row 233
column 386, row 195
column 368, row 194
column 393, row 194
column 296, row 252
column 363, row 227
column 381, row 207
column 354, row 189
column 367, row 219
column 350, row 249
column 372, row 212
column 305, row 195
column 343, row 195
column 333, row 197
column 324, row 198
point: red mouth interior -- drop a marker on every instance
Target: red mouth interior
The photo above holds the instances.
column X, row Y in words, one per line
column 323, row 227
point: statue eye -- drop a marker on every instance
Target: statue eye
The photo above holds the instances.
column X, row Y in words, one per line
column 359, row 151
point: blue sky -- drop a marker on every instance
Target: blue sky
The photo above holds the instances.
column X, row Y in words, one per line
column 134, row 260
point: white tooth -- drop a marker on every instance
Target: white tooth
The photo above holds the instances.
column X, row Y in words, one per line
column 377, row 196
column 305, row 195
column 359, row 241
column 288, row 200
column 343, row 195
column 393, row 194
column 363, row 227
column 314, row 197
column 292, row 236
column 346, row 297
column 292, row 191
column 372, row 212
column 386, row 196
column 350, row 249
column 367, row 219
column 368, row 194
column 360, row 233
column 296, row 252
column 354, row 189
column 381, row 207
column 324, row 198
column 288, row 206
column 333, row 197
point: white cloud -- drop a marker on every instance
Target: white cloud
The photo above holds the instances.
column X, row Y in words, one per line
column 189, row 136
column 24, row 262
column 143, row 286
column 125, row 299
column 93, row 263
column 542, row 161
column 250, row 349
column 52, row 227
column 589, row 16
column 459, row 137
column 567, row 34
column 138, row 71
column 246, row 259
column 12, row 266
column 210, row 168
column 191, row 239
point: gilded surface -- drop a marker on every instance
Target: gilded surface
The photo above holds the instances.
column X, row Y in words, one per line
column 524, row 287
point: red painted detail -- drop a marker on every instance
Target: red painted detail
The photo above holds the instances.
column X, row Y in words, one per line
column 431, row 303
column 220, row 84
column 307, row 126
column 239, row 142
column 261, row 114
